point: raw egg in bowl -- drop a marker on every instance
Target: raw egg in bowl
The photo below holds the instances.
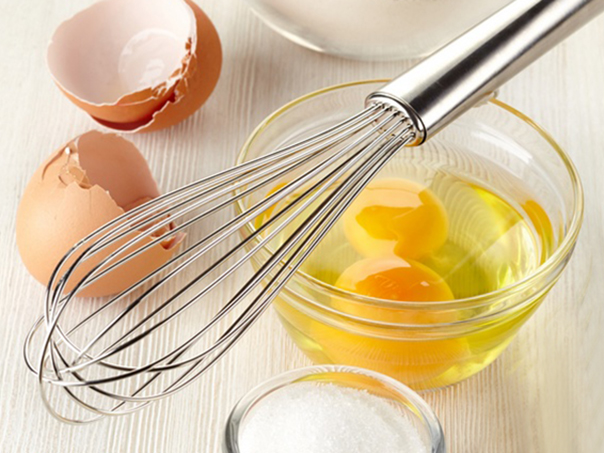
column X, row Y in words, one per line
column 440, row 260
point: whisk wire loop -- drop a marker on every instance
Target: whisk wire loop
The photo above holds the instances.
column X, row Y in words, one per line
column 327, row 169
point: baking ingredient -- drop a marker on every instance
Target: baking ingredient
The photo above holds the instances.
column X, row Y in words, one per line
column 393, row 278
column 404, row 248
column 453, row 230
column 89, row 181
column 137, row 65
column 396, row 216
column 327, row 418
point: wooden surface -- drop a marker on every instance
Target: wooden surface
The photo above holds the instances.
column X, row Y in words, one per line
column 544, row 395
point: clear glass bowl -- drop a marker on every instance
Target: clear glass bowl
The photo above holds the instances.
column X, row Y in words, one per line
column 407, row 401
column 461, row 337
column 373, row 29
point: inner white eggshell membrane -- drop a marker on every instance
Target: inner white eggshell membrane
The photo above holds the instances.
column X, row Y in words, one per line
column 88, row 182
column 117, row 167
column 119, row 47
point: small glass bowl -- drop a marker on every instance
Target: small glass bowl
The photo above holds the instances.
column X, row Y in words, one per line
column 405, row 399
column 493, row 144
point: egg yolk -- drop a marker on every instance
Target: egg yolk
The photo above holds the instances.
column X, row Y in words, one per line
column 414, row 359
column 542, row 224
column 396, row 216
column 393, row 278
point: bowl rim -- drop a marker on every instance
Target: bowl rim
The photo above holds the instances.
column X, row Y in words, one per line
column 560, row 253
column 420, row 408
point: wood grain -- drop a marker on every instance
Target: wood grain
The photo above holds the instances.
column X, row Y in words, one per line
column 545, row 394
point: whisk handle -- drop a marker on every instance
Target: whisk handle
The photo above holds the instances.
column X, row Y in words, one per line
column 471, row 67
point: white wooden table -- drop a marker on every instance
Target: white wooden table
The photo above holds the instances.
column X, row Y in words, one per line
column 545, row 394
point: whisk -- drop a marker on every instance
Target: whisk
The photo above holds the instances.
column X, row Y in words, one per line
column 115, row 356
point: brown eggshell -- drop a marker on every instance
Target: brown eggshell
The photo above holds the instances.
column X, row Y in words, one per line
column 119, row 60
column 87, row 53
column 196, row 84
column 88, row 182
column 136, row 108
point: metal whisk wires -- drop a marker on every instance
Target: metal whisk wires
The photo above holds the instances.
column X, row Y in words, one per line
column 117, row 355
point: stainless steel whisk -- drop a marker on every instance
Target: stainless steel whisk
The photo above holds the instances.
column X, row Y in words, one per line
column 113, row 359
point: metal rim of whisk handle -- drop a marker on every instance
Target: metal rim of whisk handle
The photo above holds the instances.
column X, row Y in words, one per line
column 470, row 68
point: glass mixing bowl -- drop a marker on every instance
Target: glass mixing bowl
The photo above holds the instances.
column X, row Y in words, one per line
column 373, row 29
column 403, row 398
column 447, row 341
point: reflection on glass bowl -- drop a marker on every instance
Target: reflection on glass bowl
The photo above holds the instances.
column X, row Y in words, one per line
column 435, row 343
column 373, row 29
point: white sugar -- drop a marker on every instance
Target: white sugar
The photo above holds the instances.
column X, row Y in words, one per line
column 326, row 418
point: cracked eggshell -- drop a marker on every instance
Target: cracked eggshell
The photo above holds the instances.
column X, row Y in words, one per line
column 88, row 182
column 137, row 65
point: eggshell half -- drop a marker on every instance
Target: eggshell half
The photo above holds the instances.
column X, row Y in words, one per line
column 86, row 183
column 137, row 65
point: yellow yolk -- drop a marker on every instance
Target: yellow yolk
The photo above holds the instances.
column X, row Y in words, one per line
column 414, row 359
column 396, row 216
column 542, row 224
column 394, row 279
column 398, row 280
